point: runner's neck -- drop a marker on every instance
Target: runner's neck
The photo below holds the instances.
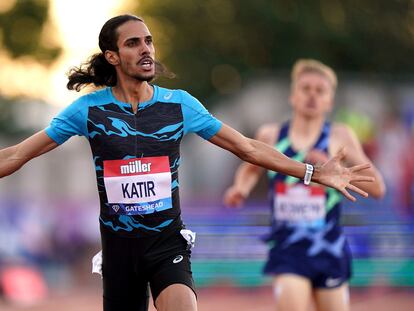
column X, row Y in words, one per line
column 133, row 94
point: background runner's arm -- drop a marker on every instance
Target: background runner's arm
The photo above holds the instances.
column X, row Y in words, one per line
column 330, row 174
column 14, row 157
column 247, row 175
column 343, row 135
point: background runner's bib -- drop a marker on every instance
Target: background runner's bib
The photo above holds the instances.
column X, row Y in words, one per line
column 138, row 186
column 299, row 204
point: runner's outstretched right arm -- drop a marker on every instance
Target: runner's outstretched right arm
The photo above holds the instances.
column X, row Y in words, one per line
column 14, row 157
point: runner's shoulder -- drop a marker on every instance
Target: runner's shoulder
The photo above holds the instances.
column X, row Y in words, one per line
column 341, row 131
column 182, row 97
column 173, row 95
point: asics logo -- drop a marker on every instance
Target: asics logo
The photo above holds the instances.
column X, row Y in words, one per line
column 168, row 96
column 178, row 259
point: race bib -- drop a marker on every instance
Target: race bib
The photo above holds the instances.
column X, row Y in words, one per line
column 138, row 186
column 300, row 205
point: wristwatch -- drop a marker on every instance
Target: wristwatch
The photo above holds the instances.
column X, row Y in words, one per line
column 308, row 174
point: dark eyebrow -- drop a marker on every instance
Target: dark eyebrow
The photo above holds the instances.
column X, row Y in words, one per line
column 136, row 39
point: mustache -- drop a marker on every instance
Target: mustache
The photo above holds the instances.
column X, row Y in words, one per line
column 146, row 58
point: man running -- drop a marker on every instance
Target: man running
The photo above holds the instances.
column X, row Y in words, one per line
column 134, row 129
column 308, row 255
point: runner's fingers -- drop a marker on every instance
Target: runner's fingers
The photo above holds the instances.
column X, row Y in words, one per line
column 347, row 195
column 363, row 178
column 360, row 167
column 357, row 190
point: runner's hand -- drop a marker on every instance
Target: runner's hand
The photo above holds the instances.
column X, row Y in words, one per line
column 334, row 175
column 233, row 197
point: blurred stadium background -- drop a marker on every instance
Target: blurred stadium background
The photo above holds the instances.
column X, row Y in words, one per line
column 235, row 57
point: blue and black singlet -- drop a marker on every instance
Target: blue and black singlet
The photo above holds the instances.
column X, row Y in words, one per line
column 136, row 155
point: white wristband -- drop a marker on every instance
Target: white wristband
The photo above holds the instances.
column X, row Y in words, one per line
column 308, row 174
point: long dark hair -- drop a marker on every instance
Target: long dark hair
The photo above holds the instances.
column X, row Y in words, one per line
column 96, row 69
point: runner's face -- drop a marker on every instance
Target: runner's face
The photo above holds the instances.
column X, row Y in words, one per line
column 136, row 51
column 312, row 95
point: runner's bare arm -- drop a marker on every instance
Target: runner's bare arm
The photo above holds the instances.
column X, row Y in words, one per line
column 14, row 157
column 344, row 136
column 247, row 175
column 331, row 174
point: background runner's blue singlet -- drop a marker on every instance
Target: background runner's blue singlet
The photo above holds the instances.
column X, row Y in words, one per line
column 305, row 219
column 306, row 237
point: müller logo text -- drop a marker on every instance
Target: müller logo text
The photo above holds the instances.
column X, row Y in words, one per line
column 135, row 167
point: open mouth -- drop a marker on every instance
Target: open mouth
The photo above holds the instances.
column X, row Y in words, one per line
column 146, row 63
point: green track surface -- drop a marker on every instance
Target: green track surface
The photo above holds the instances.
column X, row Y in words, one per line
column 367, row 272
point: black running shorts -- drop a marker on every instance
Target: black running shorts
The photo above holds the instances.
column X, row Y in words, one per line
column 131, row 265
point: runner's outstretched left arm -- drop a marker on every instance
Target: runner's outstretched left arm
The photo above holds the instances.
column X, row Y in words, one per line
column 331, row 174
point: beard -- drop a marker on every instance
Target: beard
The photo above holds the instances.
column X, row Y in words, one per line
column 144, row 77
column 138, row 76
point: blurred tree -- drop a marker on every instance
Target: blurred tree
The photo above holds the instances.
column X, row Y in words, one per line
column 21, row 28
column 9, row 126
column 213, row 45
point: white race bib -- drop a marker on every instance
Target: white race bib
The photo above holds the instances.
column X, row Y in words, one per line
column 138, row 186
column 299, row 204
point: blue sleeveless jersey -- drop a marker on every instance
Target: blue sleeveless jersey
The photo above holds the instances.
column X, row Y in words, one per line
column 305, row 219
column 136, row 155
